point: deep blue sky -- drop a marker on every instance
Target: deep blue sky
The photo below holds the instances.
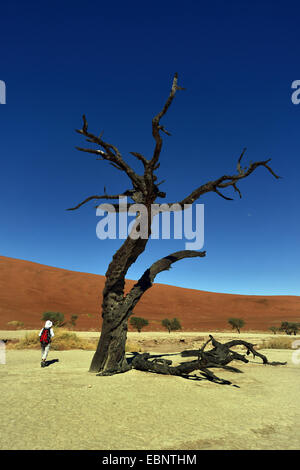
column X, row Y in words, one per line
column 115, row 62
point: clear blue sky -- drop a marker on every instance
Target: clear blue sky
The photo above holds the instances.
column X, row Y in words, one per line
column 115, row 63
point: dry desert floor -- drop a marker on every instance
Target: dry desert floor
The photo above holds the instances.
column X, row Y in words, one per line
column 144, row 411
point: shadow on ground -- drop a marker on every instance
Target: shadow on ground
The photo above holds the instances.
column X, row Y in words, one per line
column 48, row 363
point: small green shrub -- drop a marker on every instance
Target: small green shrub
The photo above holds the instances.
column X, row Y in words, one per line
column 274, row 329
column 138, row 323
column 57, row 318
column 289, row 327
column 171, row 325
column 236, row 323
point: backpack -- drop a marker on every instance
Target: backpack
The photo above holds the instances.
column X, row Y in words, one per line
column 45, row 336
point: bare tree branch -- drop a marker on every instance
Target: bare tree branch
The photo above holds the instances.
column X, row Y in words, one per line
column 163, row 264
column 222, row 195
column 140, row 157
column 90, row 198
column 111, row 154
column 224, row 182
column 128, row 302
column 156, row 127
column 240, row 170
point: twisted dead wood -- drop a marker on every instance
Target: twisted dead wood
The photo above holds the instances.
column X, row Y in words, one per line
column 219, row 356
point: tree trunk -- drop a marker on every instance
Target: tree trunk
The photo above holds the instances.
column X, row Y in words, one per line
column 109, row 357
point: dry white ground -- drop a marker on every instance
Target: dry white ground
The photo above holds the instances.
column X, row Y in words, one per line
column 140, row 410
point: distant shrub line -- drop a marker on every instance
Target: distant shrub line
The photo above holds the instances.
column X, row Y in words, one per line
column 138, row 323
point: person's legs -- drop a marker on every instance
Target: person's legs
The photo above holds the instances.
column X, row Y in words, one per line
column 42, row 352
column 45, row 351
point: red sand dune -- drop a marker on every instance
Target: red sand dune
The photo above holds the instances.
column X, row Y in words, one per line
column 28, row 289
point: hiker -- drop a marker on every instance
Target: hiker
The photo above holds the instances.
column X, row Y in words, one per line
column 45, row 335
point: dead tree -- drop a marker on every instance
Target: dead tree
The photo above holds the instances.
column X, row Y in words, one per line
column 109, row 357
column 219, row 356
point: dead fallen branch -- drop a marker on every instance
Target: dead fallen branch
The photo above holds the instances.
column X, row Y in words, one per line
column 218, row 357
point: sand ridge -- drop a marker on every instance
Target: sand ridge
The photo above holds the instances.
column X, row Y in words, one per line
column 28, row 289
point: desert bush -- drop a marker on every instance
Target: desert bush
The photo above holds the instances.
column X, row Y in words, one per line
column 57, row 318
column 138, row 323
column 236, row 323
column 16, row 324
column 30, row 341
column 276, row 343
column 274, row 329
column 73, row 320
column 176, row 325
column 171, row 325
column 63, row 340
column 289, row 327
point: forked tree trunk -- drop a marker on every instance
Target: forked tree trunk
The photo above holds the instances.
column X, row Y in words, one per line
column 109, row 357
